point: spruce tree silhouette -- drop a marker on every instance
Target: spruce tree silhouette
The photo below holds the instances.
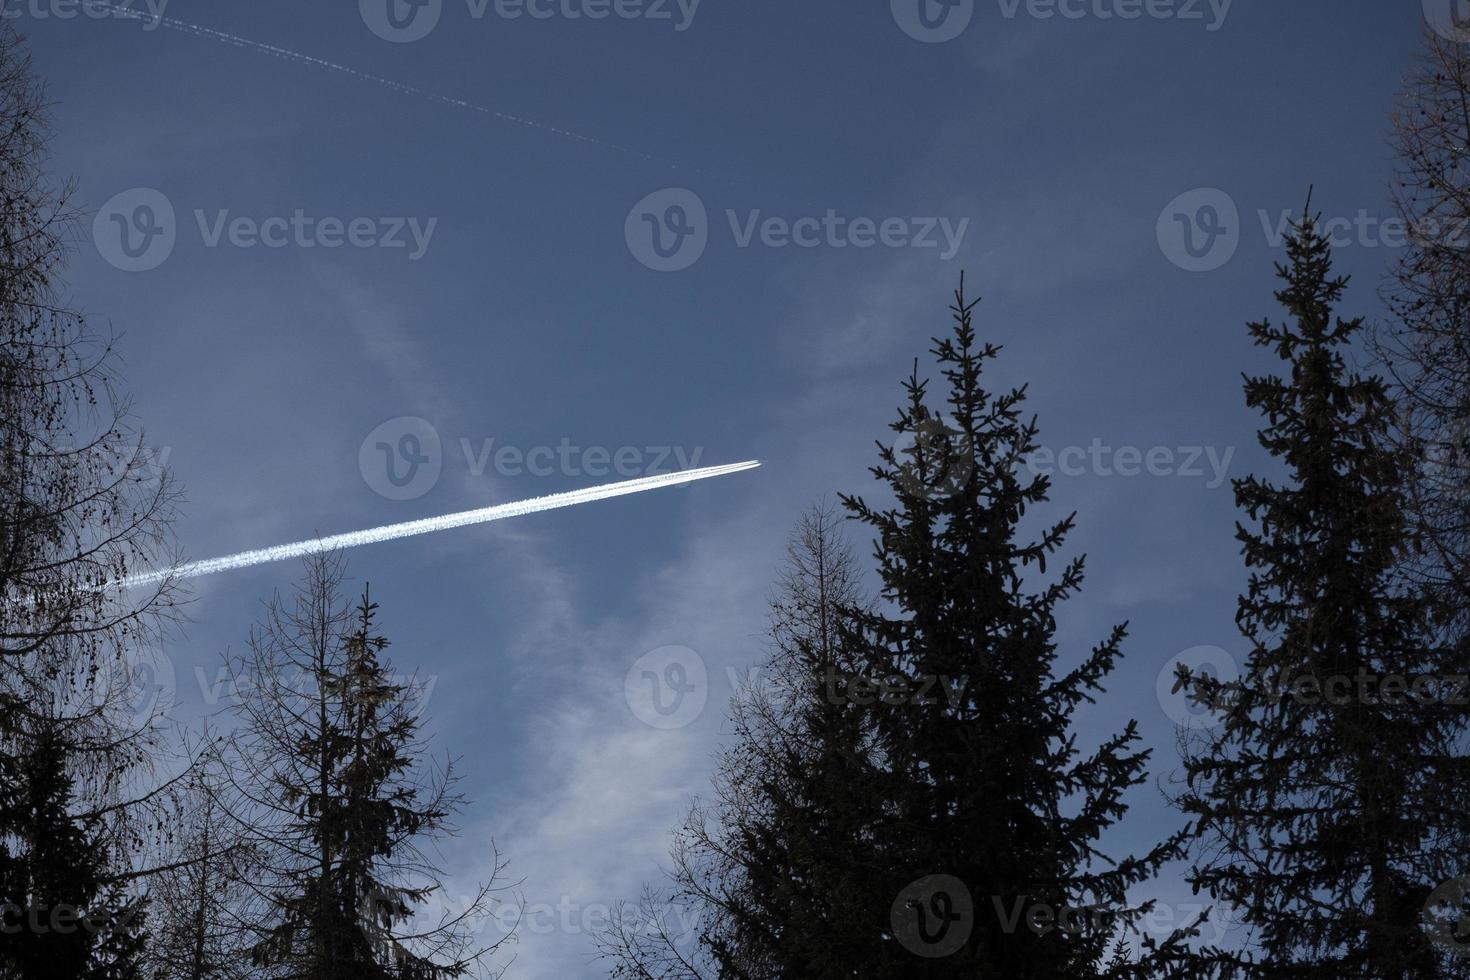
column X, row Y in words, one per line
column 988, row 850
column 1328, row 799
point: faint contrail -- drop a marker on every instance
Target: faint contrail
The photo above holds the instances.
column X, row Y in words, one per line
column 484, row 515
column 198, row 30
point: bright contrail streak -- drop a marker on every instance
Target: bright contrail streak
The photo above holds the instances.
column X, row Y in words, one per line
column 484, row 515
column 173, row 23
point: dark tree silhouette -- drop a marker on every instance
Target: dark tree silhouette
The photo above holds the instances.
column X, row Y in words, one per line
column 987, row 787
column 1329, row 801
column 63, row 913
column 338, row 801
column 82, row 505
column 765, row 877
column 201, row 908
column 1426, row 344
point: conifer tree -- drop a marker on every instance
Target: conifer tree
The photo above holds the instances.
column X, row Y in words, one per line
column 1329, row 802
column 339, row 801
column 63, row 914
column 766, row 877
column 989, row 849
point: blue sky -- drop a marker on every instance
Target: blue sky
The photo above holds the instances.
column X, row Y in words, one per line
column 1057, row 150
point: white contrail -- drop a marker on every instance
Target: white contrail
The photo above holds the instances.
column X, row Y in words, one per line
column 484, row 515
column 173, row 23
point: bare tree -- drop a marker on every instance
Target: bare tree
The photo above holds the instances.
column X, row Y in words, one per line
column 83, row 505
column 200, row 908
column 1427, row 344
